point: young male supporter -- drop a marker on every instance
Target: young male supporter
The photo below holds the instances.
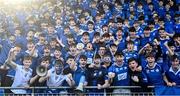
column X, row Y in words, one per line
column 33, row 52
column 176, row 39
column 89, row 53
column 85, row 38
column 129, row 51
column 120, row 40
column 102, row 50
column 147, row 49
column 163, row 37
column 136, row 76
column 6, row 46
column 53, row 44
column 41, row 42
column 77, row 71
column 118, row 73
column 7, row 73
column 173, row 74
column 154, row 72
column 106, row 60
column 146, row 37
column 96, row 40
column 55, row 77
column 72, row 51
column 97, row 76
column 34, row 81
column 57, row 55
column 70, row 40
column 90, row 30
column 23, row 72
column 133, row 37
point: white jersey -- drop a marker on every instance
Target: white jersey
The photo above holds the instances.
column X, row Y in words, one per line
column 21, row 79
column 55, row 80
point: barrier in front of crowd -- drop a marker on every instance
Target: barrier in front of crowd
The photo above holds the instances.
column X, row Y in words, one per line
column 105, row 93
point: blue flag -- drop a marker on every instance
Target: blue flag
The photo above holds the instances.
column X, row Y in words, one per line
column 166, row 91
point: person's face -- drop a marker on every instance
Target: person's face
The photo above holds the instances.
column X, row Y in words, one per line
column 90, row 26
column 86, row 14
column 151, row 7
column 50, row 30
column 82, row 62
column 97, row 38
column 132, row 34
column 105, row 29
column 106, row 7
column 113, row 49
column 12, row 39
column 47, row 15
column 57, row 53
column 89, row 46
column 70, row 61
column 44, row 25
column 167, row 6
column 175, row 63
column 76, row 29
column 119, row 33
column 162, row 33
column 17, row 32
column 79, row 11
column 150, row 61
column 133, row 65
column 93, row 5
column 97, row 61
column 130, row 47
column 58, row 22
column 149, row 1
column 151, row 26
column 27, row 63
column 30, row 34
column 41, row 40
column 46, row 50
column 146, row 32
column 149, row 48
column 82, row 20
column 160, row 3
column 58, row 68
column 107, row 59
column 118, row 7
column 66, row 31
column 72, row 49
column 119, row 59
column 106, row 38
column 98, row 18
column 102, row 50
column 30, row 46
column 17, row 50
column 45, row 63
column 2, row 30
column 140, row 6
column 72, row 23
column 30, row 22
column 53, row 43
column 70, row 40
column 86, row 38
column 119, row 25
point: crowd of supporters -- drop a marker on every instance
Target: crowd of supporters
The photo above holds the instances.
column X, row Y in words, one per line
column 90, row 43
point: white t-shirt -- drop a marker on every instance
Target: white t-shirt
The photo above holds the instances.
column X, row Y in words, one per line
column 55, row 80
column 21, row 79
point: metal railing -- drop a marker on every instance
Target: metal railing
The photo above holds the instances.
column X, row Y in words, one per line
column 105, row 93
